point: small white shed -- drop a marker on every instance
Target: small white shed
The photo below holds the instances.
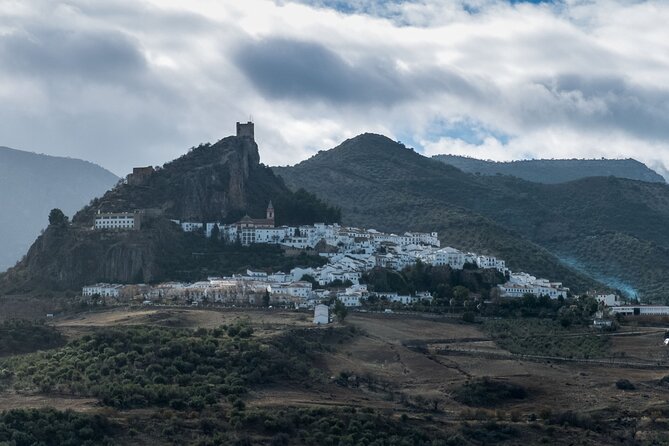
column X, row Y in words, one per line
column 321, row 314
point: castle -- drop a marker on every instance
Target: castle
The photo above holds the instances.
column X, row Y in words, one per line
column 245, row 130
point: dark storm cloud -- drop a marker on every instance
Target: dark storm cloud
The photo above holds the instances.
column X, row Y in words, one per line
column 300, row 70
column 612, row 102
column 41, row 51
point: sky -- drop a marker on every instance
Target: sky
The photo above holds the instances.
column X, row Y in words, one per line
column 128, row 83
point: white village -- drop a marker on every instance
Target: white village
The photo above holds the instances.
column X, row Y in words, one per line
column 350, row 252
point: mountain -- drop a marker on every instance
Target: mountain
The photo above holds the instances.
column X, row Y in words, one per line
column 608, row 229
column 219, row 182
column 32, row 185
column 556, row 171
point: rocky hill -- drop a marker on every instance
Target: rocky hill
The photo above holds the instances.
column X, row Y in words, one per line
column 32, row 184
column 219, row 182
column 607, row 229
column 556, row 171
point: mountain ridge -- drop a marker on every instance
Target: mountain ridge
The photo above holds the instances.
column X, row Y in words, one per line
column 608, row 225
column 552, row 171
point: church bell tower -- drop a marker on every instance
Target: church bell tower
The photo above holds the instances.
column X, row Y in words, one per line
column 270, row 211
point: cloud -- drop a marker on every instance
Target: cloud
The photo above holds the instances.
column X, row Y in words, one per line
column 305, row 71
column 129, row 83
column 58, row 52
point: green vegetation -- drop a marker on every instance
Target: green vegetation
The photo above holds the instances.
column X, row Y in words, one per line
column 490, row 432
column 192, row 257
column 337, row 428
column 182, row 369
column 570, row 311
column 625, row 384
column 340, row 310
column 486, row 392
column 48, row 427
column 21, row 336
column 442, row 281
column 57, row 218
column 545, row 337
column 603, row 228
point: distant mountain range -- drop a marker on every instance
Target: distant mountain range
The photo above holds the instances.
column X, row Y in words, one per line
column 31, row 185
column 605, row 229
column 556, row 171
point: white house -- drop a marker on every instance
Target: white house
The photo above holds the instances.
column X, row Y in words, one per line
column 188, row 226
column 510, row 289
column 294, row 289
column 490, row 262
column 102, row 289
column 321, row 314
column 447, row 256
column 118, row 221
column 350, row 300
column 610, row 300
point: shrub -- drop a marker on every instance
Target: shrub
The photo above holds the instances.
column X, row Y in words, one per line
column 625, row 384
column 487, row 392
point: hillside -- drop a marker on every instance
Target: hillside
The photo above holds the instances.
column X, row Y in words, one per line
column 222, row 182
column 607, row 228
column 32, row 185
column 556, row 171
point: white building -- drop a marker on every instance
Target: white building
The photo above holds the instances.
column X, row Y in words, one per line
column 102, row 289
column 350, row 300
column 117, row 221
column 510, row 289
column 448, row 257
column 294, row 289
column 188, row 226
column 321, row 314
column 490, row 262
column 610, row 300
column 641, row 310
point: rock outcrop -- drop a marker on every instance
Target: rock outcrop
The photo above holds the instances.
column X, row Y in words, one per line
column 219, row 182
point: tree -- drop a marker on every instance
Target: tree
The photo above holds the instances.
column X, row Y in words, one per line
column 57, row 218
column 460, row 293
column 340, row 310
column 215, row 233
column 265, row 299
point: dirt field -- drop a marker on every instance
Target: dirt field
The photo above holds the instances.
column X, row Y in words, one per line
column 12, row 400
column 397, row 362
column 384, row 351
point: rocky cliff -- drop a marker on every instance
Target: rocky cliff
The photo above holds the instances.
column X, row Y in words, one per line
column 219, row 182
column 210, row 182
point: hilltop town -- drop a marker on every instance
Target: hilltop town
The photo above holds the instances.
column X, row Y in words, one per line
column 350, row 253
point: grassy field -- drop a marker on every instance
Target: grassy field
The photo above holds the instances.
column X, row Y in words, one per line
column 377, row 379
column 547, row 337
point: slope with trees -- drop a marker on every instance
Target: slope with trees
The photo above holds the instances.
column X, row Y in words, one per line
column 604, row 228
column 219, row 182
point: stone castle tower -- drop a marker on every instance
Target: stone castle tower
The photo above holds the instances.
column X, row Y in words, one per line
column 245, row 130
